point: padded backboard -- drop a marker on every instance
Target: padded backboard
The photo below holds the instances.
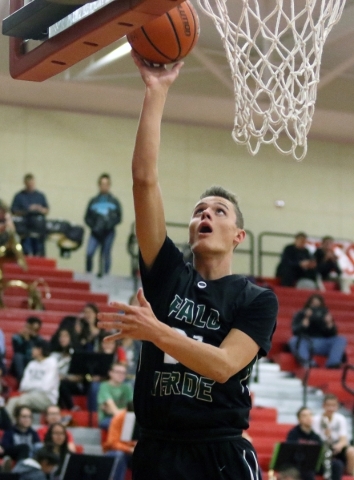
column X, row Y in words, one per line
column 69, row 32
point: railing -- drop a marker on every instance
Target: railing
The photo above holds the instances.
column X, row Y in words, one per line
column 132, row 248
column 265, row 253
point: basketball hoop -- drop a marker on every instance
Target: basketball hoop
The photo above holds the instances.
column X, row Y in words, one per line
column 274, row 49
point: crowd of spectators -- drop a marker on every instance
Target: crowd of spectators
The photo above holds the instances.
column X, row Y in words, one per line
column 300, row 268
column 45, row 386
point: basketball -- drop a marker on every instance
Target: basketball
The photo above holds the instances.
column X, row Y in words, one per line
column 168, row 38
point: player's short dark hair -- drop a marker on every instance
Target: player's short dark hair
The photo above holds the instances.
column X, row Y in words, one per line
column 28, row 176
column 104, row 175
column 46, row 455
column 33, row 320
column 18, row 409
column 217, row 191
column 330, row 396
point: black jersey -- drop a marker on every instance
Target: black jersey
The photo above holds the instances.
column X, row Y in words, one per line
column 168, row 395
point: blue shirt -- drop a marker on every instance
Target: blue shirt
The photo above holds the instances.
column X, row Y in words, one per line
column 23, row 200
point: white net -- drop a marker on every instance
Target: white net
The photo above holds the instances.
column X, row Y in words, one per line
column 274, row 48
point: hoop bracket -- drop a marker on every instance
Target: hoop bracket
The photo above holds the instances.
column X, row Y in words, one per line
column 82, row 39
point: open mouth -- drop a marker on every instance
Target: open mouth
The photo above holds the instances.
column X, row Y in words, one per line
column 205, row 229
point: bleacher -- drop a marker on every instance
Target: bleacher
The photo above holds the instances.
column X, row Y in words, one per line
column 68, row 296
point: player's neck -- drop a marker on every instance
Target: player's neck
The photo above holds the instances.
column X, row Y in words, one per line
column 212, row 267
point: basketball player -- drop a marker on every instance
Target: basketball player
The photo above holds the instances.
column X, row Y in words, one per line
column 202, row 327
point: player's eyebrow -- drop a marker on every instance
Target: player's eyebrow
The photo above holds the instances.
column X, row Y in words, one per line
column 205, row 203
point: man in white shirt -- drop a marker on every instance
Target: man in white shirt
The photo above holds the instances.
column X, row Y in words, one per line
column 331, row 426
column 39, row 386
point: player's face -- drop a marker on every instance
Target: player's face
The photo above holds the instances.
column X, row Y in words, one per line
column 213, row 228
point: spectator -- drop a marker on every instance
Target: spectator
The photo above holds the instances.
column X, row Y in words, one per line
column 56, row 441
column 326, row 260
column 69, row 384
column 42, row 467
column 79, row 331
column 53, row 415
column 33, row 206
column 303, row 433
column 315, row 333
column 115, row 446
column 39, row 386
column 21, row 440
column 331, row 426
column 113, row 395
column 109, row 348
column 89, row 314
column 297, row 264
column 103, row 213
column 22, row 344
column 327, row 265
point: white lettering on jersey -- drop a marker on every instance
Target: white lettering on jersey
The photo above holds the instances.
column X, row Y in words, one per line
column 190, row 385
column 197, row 315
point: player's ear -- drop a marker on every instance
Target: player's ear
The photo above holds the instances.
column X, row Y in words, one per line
column 239, row 237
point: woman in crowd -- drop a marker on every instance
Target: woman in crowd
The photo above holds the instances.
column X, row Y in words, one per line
column 69, row 384
column 56, row 440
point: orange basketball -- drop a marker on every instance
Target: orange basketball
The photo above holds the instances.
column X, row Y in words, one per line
column 168, row 38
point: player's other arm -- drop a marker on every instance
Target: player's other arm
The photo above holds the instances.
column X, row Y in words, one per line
column 149, row 212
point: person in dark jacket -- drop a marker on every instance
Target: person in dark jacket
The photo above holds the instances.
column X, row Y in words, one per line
column 303, row 433
column 21, row 440
column 103, row 214
column 42, row 467
column 315, row 333
column 32, row 205
column 296, row 263
column 22, row 344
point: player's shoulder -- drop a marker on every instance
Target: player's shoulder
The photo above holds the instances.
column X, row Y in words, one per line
column 249, row 291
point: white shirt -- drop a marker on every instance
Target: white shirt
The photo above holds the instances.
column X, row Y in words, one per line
column 42, row 376
column 337, row 426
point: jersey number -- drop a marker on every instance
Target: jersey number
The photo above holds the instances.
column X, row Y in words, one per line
column 167, row 358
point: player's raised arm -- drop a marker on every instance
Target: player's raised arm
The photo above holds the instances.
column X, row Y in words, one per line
column 149, row 212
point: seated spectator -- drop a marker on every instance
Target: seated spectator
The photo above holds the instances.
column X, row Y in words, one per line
column 108, row 347
column 56, row 441
column 315, row 333
column 39, row 386
column 303, row 433
column 42, row 467
column 331, row 426
column 21, row 440
column 297, row 264
column 79, row 332
column 326, row 260
column 115, row 446
column 89, row 314
column 53, row 415
column 113, row 395
column 22, row 344
column 327, row 265
column 69, row 384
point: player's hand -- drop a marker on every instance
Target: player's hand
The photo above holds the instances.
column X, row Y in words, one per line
column 136, row 322
column 156, row 76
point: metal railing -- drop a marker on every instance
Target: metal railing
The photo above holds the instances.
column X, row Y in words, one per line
column 133, row 250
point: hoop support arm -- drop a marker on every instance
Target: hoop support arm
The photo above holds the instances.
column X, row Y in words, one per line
column 82, row 39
